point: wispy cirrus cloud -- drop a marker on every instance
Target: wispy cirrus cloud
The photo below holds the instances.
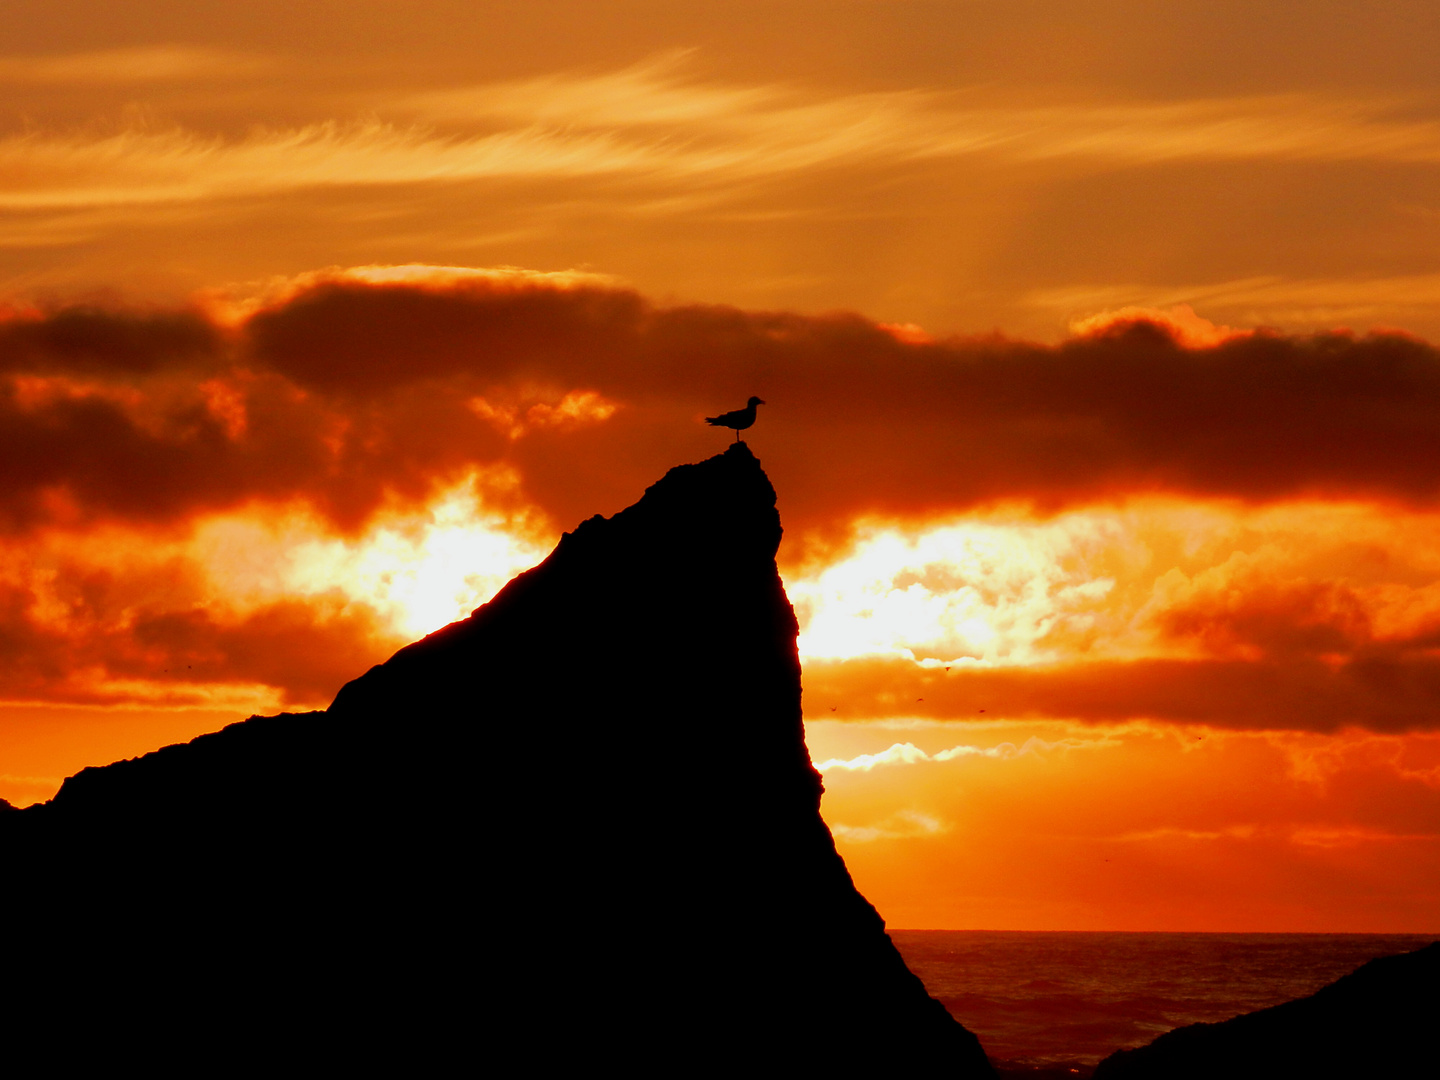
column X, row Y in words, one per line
column 140, row 167
column 128, row 66
column 653, row 122
column 793, row 127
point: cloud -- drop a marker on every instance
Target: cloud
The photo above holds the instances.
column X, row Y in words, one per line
column 261, row 607
column 1157, row 817
column 145, row 64
column 760, row 128
column 983, row 591
column 901, row 427
column 650, row 122
column 1180, row 322
column 87, row 637
column 902, row 825
column 1169, row 834
column 1271, row 301
column 899, row 753
column 1322, row 764
column 142, row 167
column 904, row 427
column 1388, row 691
column 1313, row 836
column 909, row 754
column 88, row 341
column 1301, row 616
column 356, row 398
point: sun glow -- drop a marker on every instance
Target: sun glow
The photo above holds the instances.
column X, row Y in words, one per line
column 969, row 591
column 1152, row 579
column 419, row 570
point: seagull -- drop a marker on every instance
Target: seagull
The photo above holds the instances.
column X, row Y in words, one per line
column 740, row 419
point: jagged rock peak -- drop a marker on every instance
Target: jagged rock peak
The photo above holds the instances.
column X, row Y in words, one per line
column 729, row 492
column 580, row 826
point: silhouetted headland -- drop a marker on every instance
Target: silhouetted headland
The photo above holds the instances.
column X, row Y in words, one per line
column 1377, row 1022
column 579, row 827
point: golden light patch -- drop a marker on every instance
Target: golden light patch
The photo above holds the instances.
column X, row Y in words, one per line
column 967, row 591
column 254, row 610
column 420, row 569
column 1189, row 329
column 1152, row 579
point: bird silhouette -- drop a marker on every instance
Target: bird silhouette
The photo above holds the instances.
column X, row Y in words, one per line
column 740, row 419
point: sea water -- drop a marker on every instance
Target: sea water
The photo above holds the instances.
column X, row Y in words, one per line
column 1061, row 1001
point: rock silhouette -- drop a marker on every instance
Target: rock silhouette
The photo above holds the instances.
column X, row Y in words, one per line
column 579, row 827
column 1378, row 1021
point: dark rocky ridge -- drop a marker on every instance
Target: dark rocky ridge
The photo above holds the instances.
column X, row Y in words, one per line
column 580, row 826
column 1377, row 1023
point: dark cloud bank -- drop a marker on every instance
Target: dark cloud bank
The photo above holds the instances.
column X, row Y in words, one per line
column 350, row 389
column 353, row 395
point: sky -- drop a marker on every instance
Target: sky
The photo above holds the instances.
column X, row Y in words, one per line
column 1097, row 346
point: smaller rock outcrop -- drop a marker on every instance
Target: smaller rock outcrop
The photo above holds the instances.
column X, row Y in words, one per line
column 1377, row 1022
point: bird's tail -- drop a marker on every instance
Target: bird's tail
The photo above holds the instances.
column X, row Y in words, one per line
column 713, row 421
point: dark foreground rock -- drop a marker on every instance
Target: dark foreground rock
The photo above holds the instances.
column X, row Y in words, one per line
column 1377, row 1023
column 578, row 828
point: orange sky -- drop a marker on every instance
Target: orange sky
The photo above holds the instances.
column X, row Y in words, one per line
column 1102, row 411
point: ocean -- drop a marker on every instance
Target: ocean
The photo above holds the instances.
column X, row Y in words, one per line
column 1052, row 1004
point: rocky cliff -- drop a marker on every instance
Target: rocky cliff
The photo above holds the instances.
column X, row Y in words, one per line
column 580, row 827
column 1377, row 1022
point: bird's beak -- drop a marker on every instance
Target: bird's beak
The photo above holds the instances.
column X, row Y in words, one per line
column 760, row 402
